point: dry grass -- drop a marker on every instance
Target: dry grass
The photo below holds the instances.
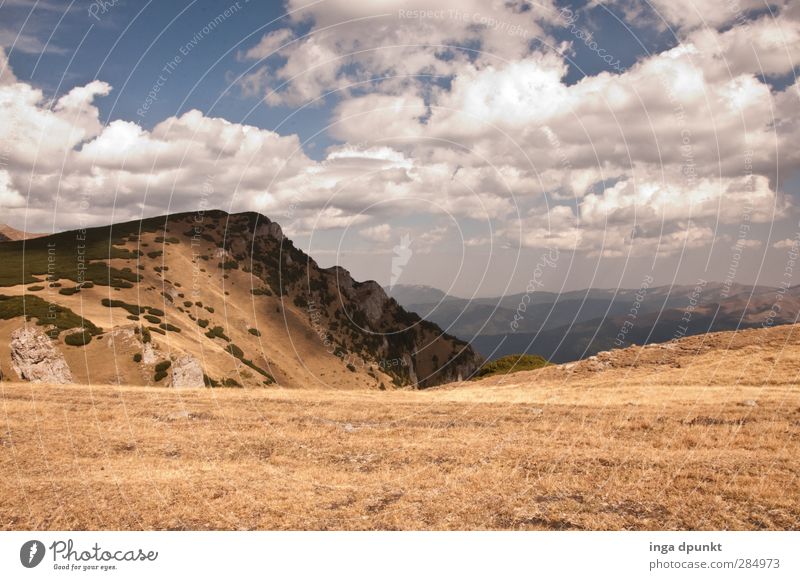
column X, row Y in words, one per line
column 137, row 457
column 700, row 435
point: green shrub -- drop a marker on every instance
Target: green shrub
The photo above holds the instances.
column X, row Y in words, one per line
column 217, row 332
column 137, row 357
column 254, row 331
column 210, row 309
column 229, row 382
column 261, row 292
column 69, row 291
column 163, row 365
column 155, row 311
column 131, row 308
column 187, row 304
column 155, row 254
column 209, row 382
column 234, row 350
column 202, row 323
column 169, row 327
column 151, row 318
column 35, row 288
column 146, row 336
column 158, row 375
column 44, row 312
column 79, row 338
column 157, row 329
column 511, row 363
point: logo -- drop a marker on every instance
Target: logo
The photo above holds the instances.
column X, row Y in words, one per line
column 402, row 254
column 31, row 553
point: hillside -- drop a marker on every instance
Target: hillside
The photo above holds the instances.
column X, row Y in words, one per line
column 207, row 298
column 9, row 234
column 696, row 434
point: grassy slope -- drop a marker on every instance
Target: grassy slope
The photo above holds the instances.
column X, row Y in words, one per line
column 700, row 436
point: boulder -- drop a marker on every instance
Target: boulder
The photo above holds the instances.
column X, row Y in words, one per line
column 35, row 359
column 187, row 373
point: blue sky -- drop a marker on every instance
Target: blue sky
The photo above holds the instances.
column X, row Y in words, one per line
column 635, row 138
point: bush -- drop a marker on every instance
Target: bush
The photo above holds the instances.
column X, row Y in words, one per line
column 69, row 291
column 35, row 288
column 169, row 327
column 131, row 308
column 261, row 292
column 80, row 338
column 235, row 350
column 157, row 329
column 155, row 254
column 46, row 313
column 202, row 323
column 137, row 357
column 155, row 311
column 163, row 365
column 210, row 309
column 511, row 363
column 158, row 375
column 187, row 304
column 217, row 332
column 229, row 382
column 254, row 331
column 152, row 319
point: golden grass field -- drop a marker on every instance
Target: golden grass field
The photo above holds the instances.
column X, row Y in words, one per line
column 700, row 436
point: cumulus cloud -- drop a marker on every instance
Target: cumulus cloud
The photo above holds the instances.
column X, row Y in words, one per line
column 651, row 159
column 381, row 42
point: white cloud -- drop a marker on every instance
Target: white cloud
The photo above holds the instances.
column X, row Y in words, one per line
column 6, row 74
column 786, row 244
column 380, row 233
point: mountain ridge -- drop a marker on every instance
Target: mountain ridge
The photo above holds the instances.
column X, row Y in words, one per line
column 231, row 292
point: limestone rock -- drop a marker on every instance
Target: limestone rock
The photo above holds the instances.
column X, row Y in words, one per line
column 35, row 359
column 187, row 373
column 149, row 356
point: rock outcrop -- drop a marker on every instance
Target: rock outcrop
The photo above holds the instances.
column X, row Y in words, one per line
column 187, row 373
column 35, row 359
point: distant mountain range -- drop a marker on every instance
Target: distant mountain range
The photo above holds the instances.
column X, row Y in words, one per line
column 576, row 324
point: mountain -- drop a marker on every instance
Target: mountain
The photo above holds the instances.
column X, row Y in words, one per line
column 9, row 234
column 576, row 324
column 207, row 298
column 411, row 294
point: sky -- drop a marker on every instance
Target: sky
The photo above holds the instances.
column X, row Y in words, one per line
column 482, row 147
